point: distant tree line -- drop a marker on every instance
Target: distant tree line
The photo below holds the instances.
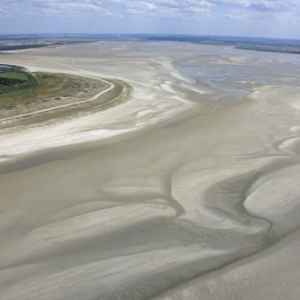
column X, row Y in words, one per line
column 21, row 47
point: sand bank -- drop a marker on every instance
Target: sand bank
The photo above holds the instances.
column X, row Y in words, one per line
column 179, row 193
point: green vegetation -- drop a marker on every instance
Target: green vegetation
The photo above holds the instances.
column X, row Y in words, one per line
column 14, row 75
column 41, row 97
column 13, row 78
column 12, row 81
column 267, row 48
column 22, row 88
column 21, row 47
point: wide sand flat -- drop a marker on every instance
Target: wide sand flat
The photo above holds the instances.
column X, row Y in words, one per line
column 189, row 190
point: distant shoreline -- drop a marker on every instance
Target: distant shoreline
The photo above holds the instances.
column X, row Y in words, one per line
column 23, row 42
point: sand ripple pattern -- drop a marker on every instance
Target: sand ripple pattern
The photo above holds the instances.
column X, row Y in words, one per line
column 173, row 210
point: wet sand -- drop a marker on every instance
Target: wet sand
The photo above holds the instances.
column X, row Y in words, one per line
column 189, row 190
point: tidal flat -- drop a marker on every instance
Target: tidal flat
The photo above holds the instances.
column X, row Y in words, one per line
column 189, row 189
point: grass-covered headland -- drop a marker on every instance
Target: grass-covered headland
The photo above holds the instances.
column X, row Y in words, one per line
column 14, row 78
column 20, row 87
column 33, row 97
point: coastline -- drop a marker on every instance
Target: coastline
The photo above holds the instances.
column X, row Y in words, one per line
column 186, row 190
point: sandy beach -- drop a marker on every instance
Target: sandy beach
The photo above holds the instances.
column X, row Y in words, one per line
column 188, row 190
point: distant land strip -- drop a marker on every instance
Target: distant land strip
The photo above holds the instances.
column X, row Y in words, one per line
column 20, row 42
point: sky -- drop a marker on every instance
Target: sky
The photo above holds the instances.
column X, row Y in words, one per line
column 256, row 18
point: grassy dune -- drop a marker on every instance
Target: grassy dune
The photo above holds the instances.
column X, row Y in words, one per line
column 14, row 78
column 46, row 85
column 39, row 97
column 14, row 75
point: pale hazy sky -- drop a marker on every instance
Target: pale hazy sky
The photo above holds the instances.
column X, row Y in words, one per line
column 268, row 18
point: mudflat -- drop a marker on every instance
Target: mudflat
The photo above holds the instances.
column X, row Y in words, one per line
column 187, row 190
